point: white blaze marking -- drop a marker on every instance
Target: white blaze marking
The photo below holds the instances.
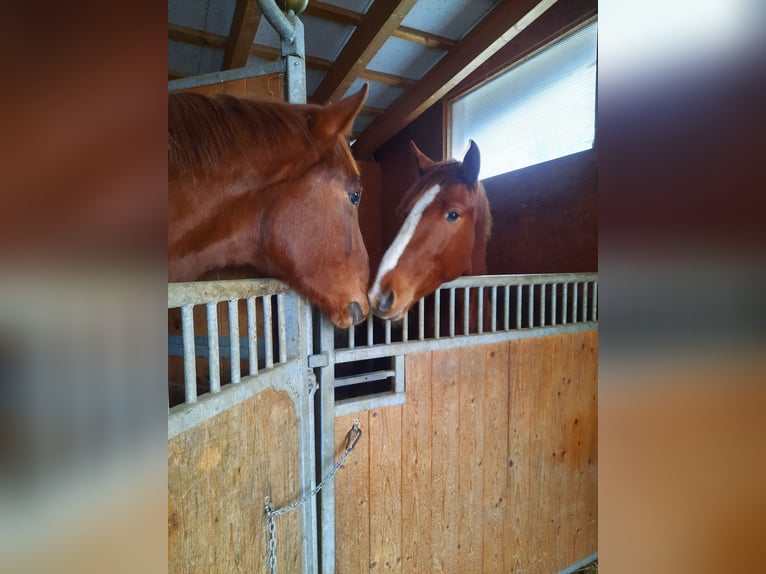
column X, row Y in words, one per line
column 394, row 252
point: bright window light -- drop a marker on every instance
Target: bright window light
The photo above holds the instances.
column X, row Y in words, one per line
column 541, row 109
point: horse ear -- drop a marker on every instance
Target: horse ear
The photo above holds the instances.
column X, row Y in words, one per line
column 471, row 164
column 336, row 119
column 422, row 159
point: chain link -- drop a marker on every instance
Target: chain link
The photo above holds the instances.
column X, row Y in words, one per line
column 352, row 437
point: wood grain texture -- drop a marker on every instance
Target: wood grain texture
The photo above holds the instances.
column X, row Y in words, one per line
column 219, row 474
column 352, row 515
column 498, row 463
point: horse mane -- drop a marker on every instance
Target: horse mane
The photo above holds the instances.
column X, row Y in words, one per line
column 438, row 174
column 205, row 132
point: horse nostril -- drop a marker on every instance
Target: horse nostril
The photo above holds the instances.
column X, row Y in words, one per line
column 355, row 310
column 385, row 301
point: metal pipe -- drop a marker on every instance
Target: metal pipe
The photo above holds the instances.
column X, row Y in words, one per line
column 542, row 305
column 267, row 333
column 234, row 340
column 277, row 19
column 466, row 310
column 594, row 312
column 507, row 321
column 494, row 309
column 554, row 296
column 421, row 319
column 565, row 287
column 214, row 356
column 531, row 314
column 481, row 310
column 437, row 313
column 574, row 302
column 282, row 327
column 370, row 341
column 252, row 336
column 518, row 306
column 452, row 312
column 584, row 301
column 190, row 360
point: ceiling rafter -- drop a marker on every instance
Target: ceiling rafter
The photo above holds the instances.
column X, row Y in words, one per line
column 495, row 30
column 382, row 18
column 212, row 40
column 350, row 18
column 244, row 25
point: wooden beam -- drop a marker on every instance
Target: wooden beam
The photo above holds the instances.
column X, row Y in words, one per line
column 383, row 17
column 497, row 28
column 350, row 18
column 244, row 25
column 196, row 37
column 202, row 38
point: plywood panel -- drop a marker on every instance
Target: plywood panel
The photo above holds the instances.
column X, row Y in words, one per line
column 416, row 465
column 352, row 493
column 498, row 462
column 385, row 436
column 444, row 460
column 495, row 467
column 219, row 473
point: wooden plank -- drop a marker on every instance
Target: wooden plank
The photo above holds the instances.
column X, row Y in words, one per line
column 495, row 496
column 244, row 25
column 351, row 18
column 382, row 18
column 194, row 36
column 471, row 437
column 416, row 465
column 386, row 490
column 497, row 28
column 553, row 384
column 444, row 461
column 218, row 476
column 352, row 499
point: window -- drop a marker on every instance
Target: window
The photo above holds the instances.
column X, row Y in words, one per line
column 538, row 110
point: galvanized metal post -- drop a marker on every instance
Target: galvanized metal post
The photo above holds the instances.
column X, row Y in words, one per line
column 290, row 30
column 327, row 447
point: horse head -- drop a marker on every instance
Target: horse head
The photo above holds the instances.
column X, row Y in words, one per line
column 444, row 234
column 279, row 191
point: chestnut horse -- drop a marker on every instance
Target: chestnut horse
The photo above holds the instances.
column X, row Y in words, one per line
column 269, row 186
column 444, row 235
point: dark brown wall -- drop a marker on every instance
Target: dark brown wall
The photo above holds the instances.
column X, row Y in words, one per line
column 545, row 216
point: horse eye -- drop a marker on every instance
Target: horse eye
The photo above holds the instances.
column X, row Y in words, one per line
column 354, row 197
column 452, row 216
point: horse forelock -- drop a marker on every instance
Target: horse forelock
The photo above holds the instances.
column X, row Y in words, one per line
column 443, row 174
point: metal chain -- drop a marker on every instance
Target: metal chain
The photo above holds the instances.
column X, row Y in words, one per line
column 352, row 437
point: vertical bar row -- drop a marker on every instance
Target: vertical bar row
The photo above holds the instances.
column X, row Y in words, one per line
column 213, row 358
column 252, row 336
column 234, row 340
column 190, row 360
column 282, row 327
column 267, row 332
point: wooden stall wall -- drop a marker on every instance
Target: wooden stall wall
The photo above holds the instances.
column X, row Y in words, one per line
column 489, row 467
column 219, row 473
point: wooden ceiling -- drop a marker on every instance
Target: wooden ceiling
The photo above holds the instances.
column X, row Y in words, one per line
column 458, row 52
